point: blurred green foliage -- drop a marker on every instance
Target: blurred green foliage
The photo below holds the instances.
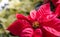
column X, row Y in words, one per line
column 7, row 15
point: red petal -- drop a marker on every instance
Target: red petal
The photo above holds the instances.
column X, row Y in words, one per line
column 58, row 1
column 17, row 26
column 20, row 16
column 44, row 14
column 33, row 14
column 27, row 32
column 37, row 33
column 52, row 28
column 14, row 28
column 54, row 2
column 30, row 19
column 44, row 10
column 52, row 31
column 57, row 12
column 46, row 18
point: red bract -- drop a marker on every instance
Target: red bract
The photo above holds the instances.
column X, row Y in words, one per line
column 45, row 14
column 55, row 2
column 17, row 26
column 40, row 23
column 57, row 11
column 58, row 1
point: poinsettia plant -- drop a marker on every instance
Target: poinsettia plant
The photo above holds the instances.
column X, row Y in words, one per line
column 14, row 6
column 38, row 24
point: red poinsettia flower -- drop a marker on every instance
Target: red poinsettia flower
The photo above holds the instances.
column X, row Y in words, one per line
column 24, row 26
column 40, row 23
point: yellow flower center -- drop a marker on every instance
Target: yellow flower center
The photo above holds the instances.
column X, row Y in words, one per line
column 35, row 24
